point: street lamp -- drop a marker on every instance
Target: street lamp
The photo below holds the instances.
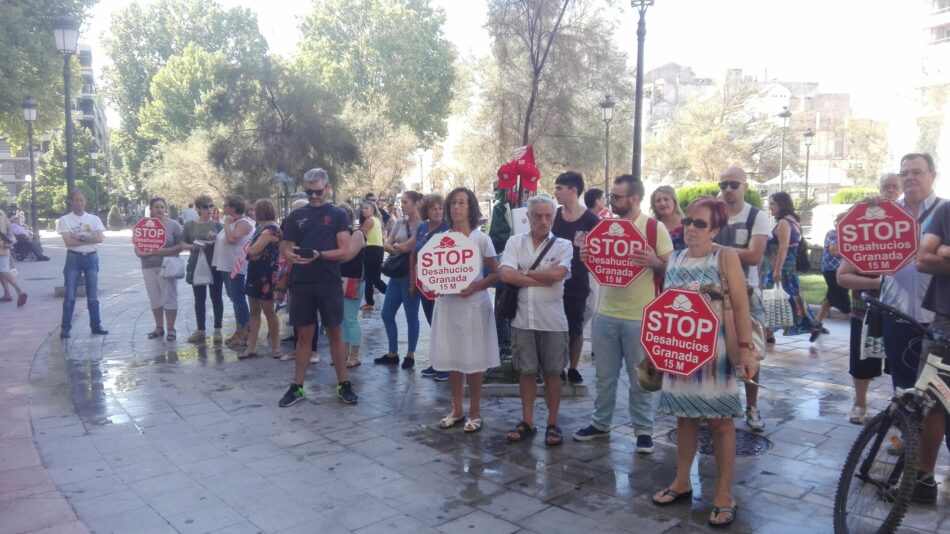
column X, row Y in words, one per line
column 809, row 136
column 784, row 115
column 93, row 173
column 29, row 115
column 607, row 106
column 421, row 150
column 641, row 6
column 66, row 33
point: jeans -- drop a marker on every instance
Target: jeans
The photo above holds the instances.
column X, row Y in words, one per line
column 217, row 303
column 352, row 333
column 617, row 343
column 397, row 295
column 88, row 266
column 236, row 292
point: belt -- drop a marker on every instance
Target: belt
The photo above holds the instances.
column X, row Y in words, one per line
column 81, row 253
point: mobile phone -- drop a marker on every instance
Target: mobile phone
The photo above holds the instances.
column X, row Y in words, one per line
column 304, row 252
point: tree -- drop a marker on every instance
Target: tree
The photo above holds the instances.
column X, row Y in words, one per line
column 51, row 181
column 181, row 170
column 30, row 65
column 867, row 150
column 386, row 147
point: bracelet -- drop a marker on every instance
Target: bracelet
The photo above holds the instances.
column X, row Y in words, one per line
column 744, row 345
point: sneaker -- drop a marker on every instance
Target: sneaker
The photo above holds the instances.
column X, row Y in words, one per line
column 590, row 432
column 289, row 357
column 389, row 358
column 815, row 332
column 63, row 334
column 574, row 377
column 198, row 336
column 216, row 336
column 344, row 392
column 925, row 490
column 644, row 444
column 314, row 358
column 754, row 419
column 441, row 376
column 294, row 395
column 99, row 331
column 408, row 363
column 429, row 372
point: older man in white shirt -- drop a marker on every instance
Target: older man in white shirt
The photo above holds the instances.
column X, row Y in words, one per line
column 539, row 331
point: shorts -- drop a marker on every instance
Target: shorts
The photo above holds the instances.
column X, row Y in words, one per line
column 531, row 347
column 836, row 295
column 162, row 292
column 574, row 308
column 306, row 300
column 5, row 263
column 867, row 368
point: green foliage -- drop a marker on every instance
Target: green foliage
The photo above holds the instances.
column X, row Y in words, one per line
column 387, row 54
column 688, row 193
column 51, row 177
column 30, row 65
column 115, row 218
column 182, row 170
column 850, row 195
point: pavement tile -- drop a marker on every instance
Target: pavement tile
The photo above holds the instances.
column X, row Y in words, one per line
column 112, row 503
column 209, row 517
column 24, row 515
column 479, row 522
column 137, row 520
column 360, row 511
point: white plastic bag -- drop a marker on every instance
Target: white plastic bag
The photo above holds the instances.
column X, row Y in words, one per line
column 202, row 275
column 778, row 309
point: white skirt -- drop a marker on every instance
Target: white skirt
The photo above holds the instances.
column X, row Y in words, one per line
column 463, row 336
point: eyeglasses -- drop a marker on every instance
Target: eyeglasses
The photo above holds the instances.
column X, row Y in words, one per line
column 205, row 206
column 912, row 172
column 614, row 196
column 314, row 192
column 732, row 184
column 698, row 223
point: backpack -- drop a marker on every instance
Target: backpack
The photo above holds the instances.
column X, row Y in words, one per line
column 658, row 278
column 802, row 256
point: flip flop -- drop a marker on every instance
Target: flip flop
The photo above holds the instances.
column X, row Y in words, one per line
column 521, row 432
column 6, row 299
column 677, row 496
column 731, row 510
column 353, row 363
column 553, row 436
column 246, row 355
column 472, row 426
column 449, row 421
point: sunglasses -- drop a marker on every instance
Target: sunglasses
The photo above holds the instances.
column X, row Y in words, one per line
column 206, row 206
column 729, row 185
column 314, row 192
column 698, row 223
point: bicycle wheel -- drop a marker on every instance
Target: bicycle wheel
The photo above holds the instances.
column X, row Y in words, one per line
column 873, row 491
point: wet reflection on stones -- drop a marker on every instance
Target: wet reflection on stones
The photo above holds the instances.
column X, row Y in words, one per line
column 747, row 443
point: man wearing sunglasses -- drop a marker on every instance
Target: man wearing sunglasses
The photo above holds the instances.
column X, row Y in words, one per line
column 316, row 239
column 747, row 231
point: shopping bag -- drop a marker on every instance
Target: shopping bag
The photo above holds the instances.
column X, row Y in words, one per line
column 172, row 267
column 202, row 275
column 778, row 309
column 872, row 335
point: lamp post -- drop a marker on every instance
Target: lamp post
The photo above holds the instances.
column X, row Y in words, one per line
column 809, row 135
column 29, row 115
column 607, row 107
column 641, row 6
column 93, row 173
column 784, row 115
column 421, row 150
column 66, row 33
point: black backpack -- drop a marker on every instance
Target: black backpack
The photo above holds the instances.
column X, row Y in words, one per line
column 802, row 256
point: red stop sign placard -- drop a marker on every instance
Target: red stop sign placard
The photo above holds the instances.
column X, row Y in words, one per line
column 680, row 332
column 878, row 238
column 609, row 246
column 148, row 235
column 427, row 293
column 448, row 264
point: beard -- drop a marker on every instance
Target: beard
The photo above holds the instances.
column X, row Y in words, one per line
column 619, row 211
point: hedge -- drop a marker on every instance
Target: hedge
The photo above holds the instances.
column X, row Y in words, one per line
column 851, row 195
column 688, row 193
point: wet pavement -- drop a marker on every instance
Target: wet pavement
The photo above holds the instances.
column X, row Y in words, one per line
column 125, row 434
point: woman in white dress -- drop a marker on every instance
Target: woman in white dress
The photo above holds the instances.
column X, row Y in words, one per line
column 463, row 337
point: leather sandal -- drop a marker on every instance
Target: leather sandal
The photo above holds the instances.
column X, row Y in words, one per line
column 521, row 432
column 553, row 436
column 717, row 510
column 450, row 421
column 172, row 335
column 158, row 332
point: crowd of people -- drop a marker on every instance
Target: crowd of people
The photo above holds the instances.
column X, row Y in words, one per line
column 325, row 264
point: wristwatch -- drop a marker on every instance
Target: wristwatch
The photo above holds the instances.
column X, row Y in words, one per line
column 82, row 237
column 743, row 345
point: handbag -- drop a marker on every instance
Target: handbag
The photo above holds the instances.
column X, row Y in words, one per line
column 648, row 376
column 872, row 335
column 778, row 309
column 202, row 275
column 172, row 267
column 729, row 321
column 351, row 288
column 507, row 305
column 397, row 266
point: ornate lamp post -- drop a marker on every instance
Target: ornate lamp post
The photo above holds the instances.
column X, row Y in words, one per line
column 641, row 6
column 785, row 115
column 93, row 173
column 29, row 115
column 66, row 33
column 809, row 136
column 607, row 107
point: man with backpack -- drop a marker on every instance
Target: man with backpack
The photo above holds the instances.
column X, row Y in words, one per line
column 747, row 231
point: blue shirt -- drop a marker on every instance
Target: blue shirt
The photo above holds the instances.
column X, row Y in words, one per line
column 829, row 262
column 422, row 234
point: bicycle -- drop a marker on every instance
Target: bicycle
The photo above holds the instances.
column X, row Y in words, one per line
column 874, row 491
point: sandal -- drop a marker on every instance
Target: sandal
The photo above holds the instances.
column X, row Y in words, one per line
column 521, row 432
column 353, row 363
column 172, row 335
column 717, row 510
column 450, row 421
column 553, row 436
column 158, row 332
column 276, row 354
column 677, row 496
column 247, row 354
column 472, row 425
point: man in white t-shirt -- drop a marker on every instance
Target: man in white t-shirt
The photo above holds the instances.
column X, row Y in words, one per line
column 747, row 231
column 189, row 214
column 81, row 232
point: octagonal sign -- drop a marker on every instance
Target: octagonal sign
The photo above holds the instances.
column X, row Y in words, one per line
column 148, row 234
column 448, row 265
column 680, row 331
column 878, row 238
column 424, row 291
column 609, row 246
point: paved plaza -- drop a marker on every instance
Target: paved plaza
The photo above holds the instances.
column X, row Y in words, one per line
column 129, row 435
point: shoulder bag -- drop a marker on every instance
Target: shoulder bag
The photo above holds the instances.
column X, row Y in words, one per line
column 507, row 303
column 729, row 320
column 172, row 267
column 397, row 266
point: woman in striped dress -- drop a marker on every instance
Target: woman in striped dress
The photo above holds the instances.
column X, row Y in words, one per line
column 712, row 392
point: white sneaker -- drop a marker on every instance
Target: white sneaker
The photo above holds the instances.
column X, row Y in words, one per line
column 754, row 419
column 857, row 415
column 314, row 358
column 290, row 356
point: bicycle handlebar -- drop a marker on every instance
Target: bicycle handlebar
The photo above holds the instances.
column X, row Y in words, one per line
column 898, row 315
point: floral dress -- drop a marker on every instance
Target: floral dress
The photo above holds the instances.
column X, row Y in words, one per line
column 262, row 272
column 712, row 392
column 803, row 318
